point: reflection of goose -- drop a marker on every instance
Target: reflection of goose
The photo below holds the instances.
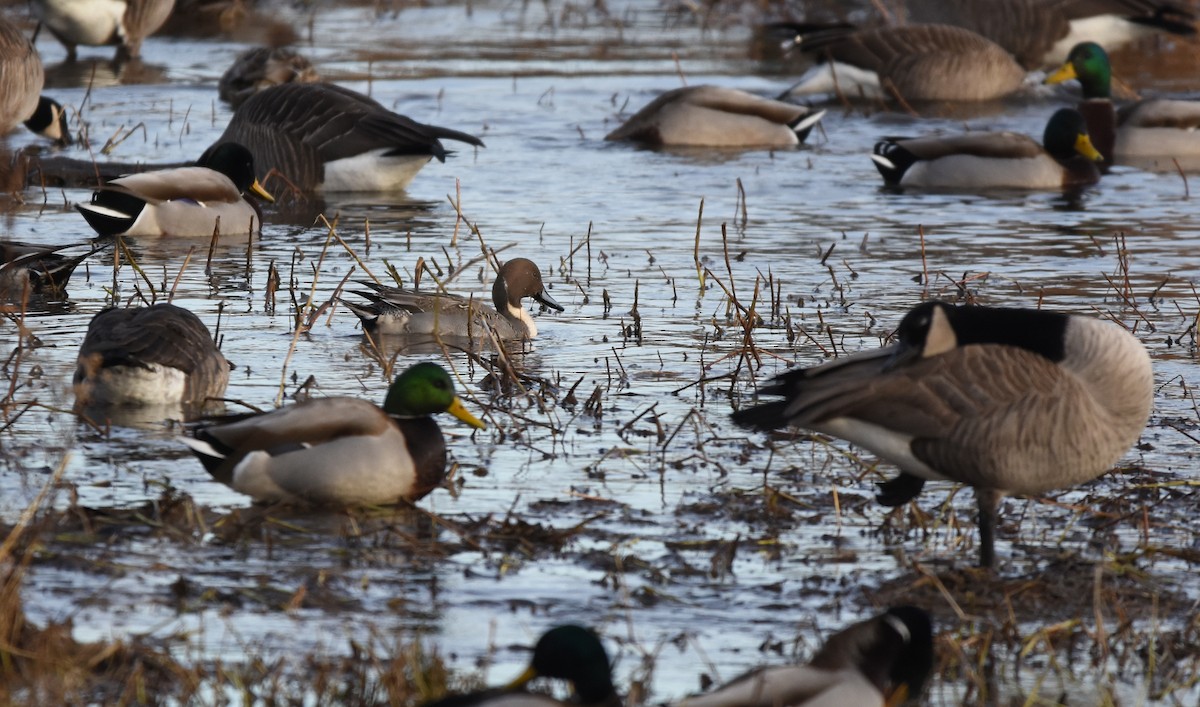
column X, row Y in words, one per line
column 21, row 80
column 883, row 660
column 714, row 116
column 184, row 201
column 156, row 355
column 322, row 136
column 993, row 160
column 99, row 23
column 1154, row 133
column 1004, row 400
column 263, row 67
column 911, row 62
column 339, row 451
column 396, row 311
column 568, row 652
column 1040, row 32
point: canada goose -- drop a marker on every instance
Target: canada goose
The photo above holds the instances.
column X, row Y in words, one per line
column 1008, row 401
column 883, row 660
column 1154, row 133
column 714, row 116
column 182, row 201
column 156, row 355
column 36, row 269
column 993, row 160
column 98, row 23
column 261, row 67
column 919, row 62
column 396, row 311
column 21, row 81
column 339, row 451
column 567, row 652
column 1039, row 33
column 322, row 136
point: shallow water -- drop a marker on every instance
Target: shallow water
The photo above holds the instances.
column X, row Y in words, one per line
column 661, row 479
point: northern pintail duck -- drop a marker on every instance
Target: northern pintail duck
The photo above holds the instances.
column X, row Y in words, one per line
column 567, row 652
column 884, row 660
column 1008, row 401
column 263, row 67
column 183, row 201
column 21, row 81
column 400, row 312
column 714, row 116
column 1039, row 33
column 993, row 160
column 339, row 451
column 918, row 62
column 1154, row 133
column 100, row 23
column 322, row 136
column 156, row 355
column 36, row 269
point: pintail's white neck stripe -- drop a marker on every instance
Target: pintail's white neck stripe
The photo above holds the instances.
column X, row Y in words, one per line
column 899, row 626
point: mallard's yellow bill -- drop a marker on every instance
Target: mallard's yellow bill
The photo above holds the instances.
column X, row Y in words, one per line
column 258, row 189
column 525, row 677
column 456, row 409
column 1065, row 73
column 897, row 696
column 1084, row 146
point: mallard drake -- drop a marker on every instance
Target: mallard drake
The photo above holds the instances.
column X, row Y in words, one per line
column 993, row 160
column 322, row 136
column 714, row 116
column 1008, row 401
column 262, row 67
column 397, row 311
column 567, row 652
column 99, row 23
column 156, row 355
column 1039, row 33
column 1155, row 133
column 183, row 201
column 21, row 81
column 918, row 62
column 881, row 661
column 36, row 269
column 339, row 451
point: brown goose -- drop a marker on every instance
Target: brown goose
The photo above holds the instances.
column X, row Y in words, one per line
column 99, row 23
column 21, row 81
column 1008, row 401
column 156, row 355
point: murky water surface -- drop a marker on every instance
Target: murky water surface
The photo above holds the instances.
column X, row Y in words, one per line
column 665, row 487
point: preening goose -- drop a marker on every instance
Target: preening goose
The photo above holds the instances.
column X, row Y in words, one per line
column 99, row 23
column 881, row 661
column 1039, row 33
column 263, row 67
column 916, row 62
column 567, row 652
column 183, row 201
column 322, row 136
column 338, row 451
column 400, row 312
column 1160, row 134
column 714, row 116
column 156, row 355
column 993, row 160
column 1008, row 401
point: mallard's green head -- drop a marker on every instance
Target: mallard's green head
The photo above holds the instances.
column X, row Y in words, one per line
column 236, row 162
column 1087, row 63
column 572, row 653
column 1066, row 135
column 426, row 389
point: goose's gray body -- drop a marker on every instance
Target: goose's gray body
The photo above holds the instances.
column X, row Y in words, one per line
column 1008, row 401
